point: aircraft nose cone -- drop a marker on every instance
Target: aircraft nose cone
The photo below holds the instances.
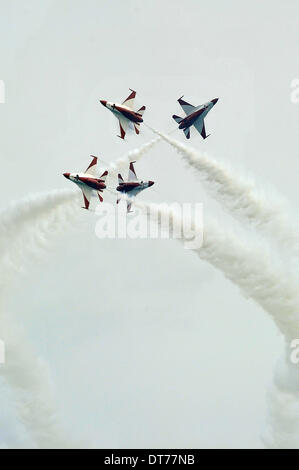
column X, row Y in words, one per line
column 150, row 183
column 103, row 102
column 66, row 175
column 214, row 101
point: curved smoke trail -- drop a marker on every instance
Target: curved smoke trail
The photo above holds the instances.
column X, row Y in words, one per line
column 248, row 264
column 26, row 225
column 283, row 399
column 242, row 198
column 34, row 394
column 261, row 276
column 25, row 228
column 272, row 217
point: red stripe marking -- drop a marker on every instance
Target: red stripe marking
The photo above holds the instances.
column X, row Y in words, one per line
column 86, row 201
column 122, row 132
column 93, row 162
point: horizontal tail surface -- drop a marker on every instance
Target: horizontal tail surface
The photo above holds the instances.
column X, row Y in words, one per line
column 177, row 119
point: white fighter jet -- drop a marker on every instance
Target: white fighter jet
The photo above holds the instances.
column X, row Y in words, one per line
column 194, row 117
column 89, row 181
column 125, row 113
column 131, row 187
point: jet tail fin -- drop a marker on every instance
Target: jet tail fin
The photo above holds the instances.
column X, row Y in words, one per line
column 177, row 119
column 141, row 110
column 104, row 176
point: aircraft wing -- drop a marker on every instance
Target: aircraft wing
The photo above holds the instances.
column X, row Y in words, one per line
column 132, row 174
column 129, row 102
column 123, row 126
column 199, row 125
column 187, row 107
column 92, row 168
column 87, row 193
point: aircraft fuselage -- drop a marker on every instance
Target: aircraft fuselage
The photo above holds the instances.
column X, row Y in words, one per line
column 83, row 179
column 189, row 120
column 120, row 109
column 133, row 187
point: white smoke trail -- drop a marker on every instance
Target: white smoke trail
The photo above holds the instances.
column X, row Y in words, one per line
column 25, row 227
column 273, row 218
column 122, row 164
column 261, row 276
column 249, row 264
column 33, row 391
column 283, row 399
column 240, row 196
column 135, row 154
column 27, row 224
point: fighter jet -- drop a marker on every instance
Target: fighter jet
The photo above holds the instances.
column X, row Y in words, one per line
column 125, row 113
column 194, row 117
column 89, row 181
column 131, row 187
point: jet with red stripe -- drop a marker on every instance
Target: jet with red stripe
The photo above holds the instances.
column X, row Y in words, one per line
column 131, row 187
column 125, row 113
column 194, row 117
column 89, row 181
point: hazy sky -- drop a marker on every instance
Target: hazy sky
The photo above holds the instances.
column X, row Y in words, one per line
column 147, row 345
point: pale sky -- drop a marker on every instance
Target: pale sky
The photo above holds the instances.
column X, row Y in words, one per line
column 147, row 345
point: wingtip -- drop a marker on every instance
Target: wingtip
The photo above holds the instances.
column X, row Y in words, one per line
column 180, row 97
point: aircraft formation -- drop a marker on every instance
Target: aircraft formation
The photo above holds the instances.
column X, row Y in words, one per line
column 90, row 182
